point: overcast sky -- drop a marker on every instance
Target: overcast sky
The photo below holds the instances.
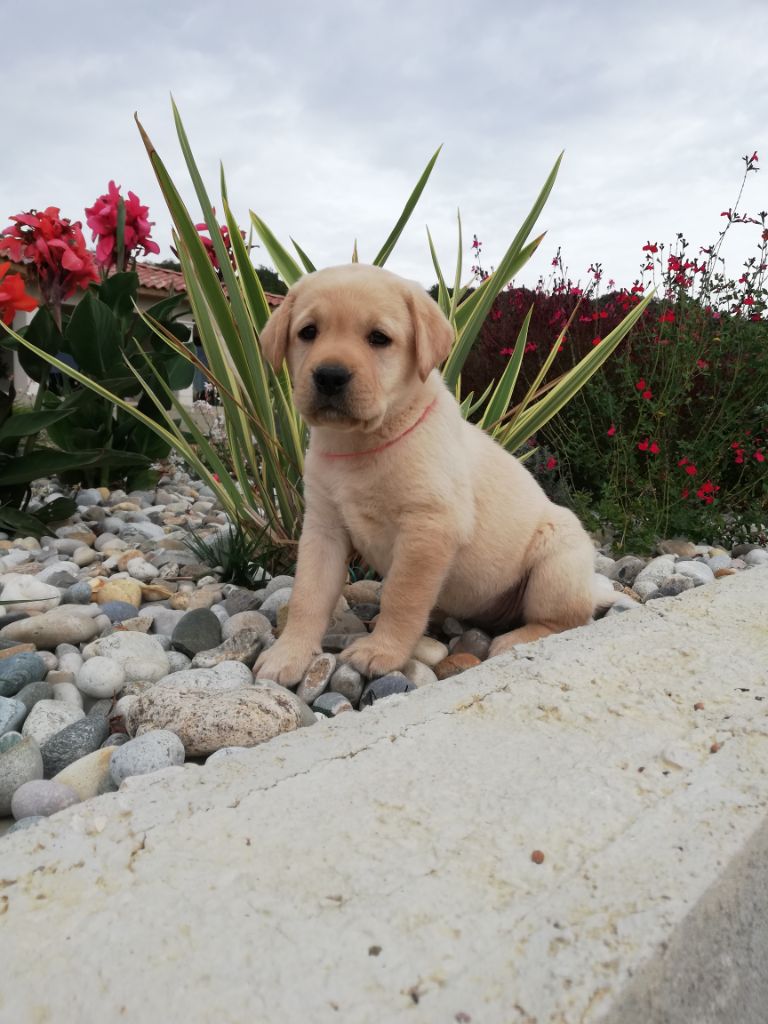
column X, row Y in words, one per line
column 325, row 114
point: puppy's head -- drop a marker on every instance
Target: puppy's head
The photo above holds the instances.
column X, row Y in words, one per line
column 358, row 341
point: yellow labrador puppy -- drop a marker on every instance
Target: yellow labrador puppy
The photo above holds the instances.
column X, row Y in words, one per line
column 393, row 471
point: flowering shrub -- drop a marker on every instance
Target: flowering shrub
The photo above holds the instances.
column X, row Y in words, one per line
column 121, row 229
column 13, row 297
column 672, row 436
column 55, row 248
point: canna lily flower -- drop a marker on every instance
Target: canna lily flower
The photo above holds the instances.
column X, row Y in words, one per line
column 13, row 297
column 102, row 219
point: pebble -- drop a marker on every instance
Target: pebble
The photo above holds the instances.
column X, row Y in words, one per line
column 331, row 704
column 117, row 589
column 676, row 546
column 47, row 718
column 41, row 798
column 141, row 656
column 33, row 595
column 385, row 686
column 673, row 585
column 100, row 677
column 18, row 671
column 227, row 675
column 12, row 714
column 68, row 693
column 196, row 631
column 348, row 682
column 650, row 578
column 243, row 646
column 419, row 673
column 206, row 720
column 455, row 663
column 89, row 776
column 316, row 678
column 699, row 572
column 225, row 754
column 474, row 641
column 73, row 742
column 65, row 625
column 25, row 823
column 150, row 752
column 275, row 600
column 252, row 620
column 118, row 611
column 603, row 564
column 627, row 569
column 429, row 651
column 20, row 762
column 757, row 556
column 241, row 600
column 30, row 694
column 78, row 593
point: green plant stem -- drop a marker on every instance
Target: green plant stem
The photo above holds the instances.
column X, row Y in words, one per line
column 42, row 388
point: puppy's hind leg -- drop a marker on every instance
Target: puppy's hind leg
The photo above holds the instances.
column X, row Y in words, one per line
column 559, row 594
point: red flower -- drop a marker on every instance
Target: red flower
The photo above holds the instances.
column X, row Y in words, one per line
column 530, row 346
column 641, row 385
column 102, row 220
column 551, row 463
column 702, row 364
column 643, row 445
column 596, row 341
column 654, row 449
column 691, row 470
column 707, row 492
column 13, row 298
column 667, row 317
column 759, row 456
column 650, row 247
column 224, row 230
column 56, row 247
column 647, row 395
column 611, row 430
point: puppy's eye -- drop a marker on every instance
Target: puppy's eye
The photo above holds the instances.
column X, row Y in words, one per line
column 308, row 333
column 379, row 339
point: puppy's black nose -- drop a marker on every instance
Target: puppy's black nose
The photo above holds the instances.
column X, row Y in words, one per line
column 331, row 379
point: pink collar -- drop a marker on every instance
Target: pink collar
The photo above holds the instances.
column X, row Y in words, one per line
column 387, row 444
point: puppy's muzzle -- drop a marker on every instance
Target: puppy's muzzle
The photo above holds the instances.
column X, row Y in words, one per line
column 331, row 379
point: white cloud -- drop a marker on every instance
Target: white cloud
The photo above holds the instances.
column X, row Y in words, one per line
column 325, row 115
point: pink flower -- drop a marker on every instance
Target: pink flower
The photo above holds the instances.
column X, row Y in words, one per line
column 551, row 463
column 611, row 430
column 102, row 217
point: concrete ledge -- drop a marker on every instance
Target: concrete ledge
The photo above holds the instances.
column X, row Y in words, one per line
column 378, row 867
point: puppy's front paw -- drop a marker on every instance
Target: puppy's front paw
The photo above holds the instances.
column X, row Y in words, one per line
column 373, row 657
column 285, row 662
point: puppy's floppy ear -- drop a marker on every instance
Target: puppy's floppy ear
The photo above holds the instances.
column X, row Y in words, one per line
column 274, row 336
column 433, row 335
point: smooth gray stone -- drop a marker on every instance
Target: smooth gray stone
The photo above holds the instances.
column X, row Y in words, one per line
column 12, row 714
column 73, row 742
column 42, row 797
column 385, row 686
column 474, row 641
column 331, row 704
column 149, row 752
column 20, row 762
column 79, row 593
column 118, row 611
column 198, row 630
column 241, row 600
column 18, row 670
column 626, row 569
column 30, row 694
column 19, row 826
column 348, row 682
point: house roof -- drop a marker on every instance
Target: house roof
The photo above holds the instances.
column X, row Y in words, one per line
column 163, row 279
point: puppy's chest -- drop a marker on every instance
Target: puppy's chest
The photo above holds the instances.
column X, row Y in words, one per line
column 373, row 522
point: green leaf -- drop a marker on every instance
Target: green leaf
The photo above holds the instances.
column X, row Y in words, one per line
column 119, row 293
column 384, row 253
column 93, row 336
column 22, row 424
column 308, row 264
column 285, row 264
column 46, row 462
column 502, row 396
column 57, row 511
